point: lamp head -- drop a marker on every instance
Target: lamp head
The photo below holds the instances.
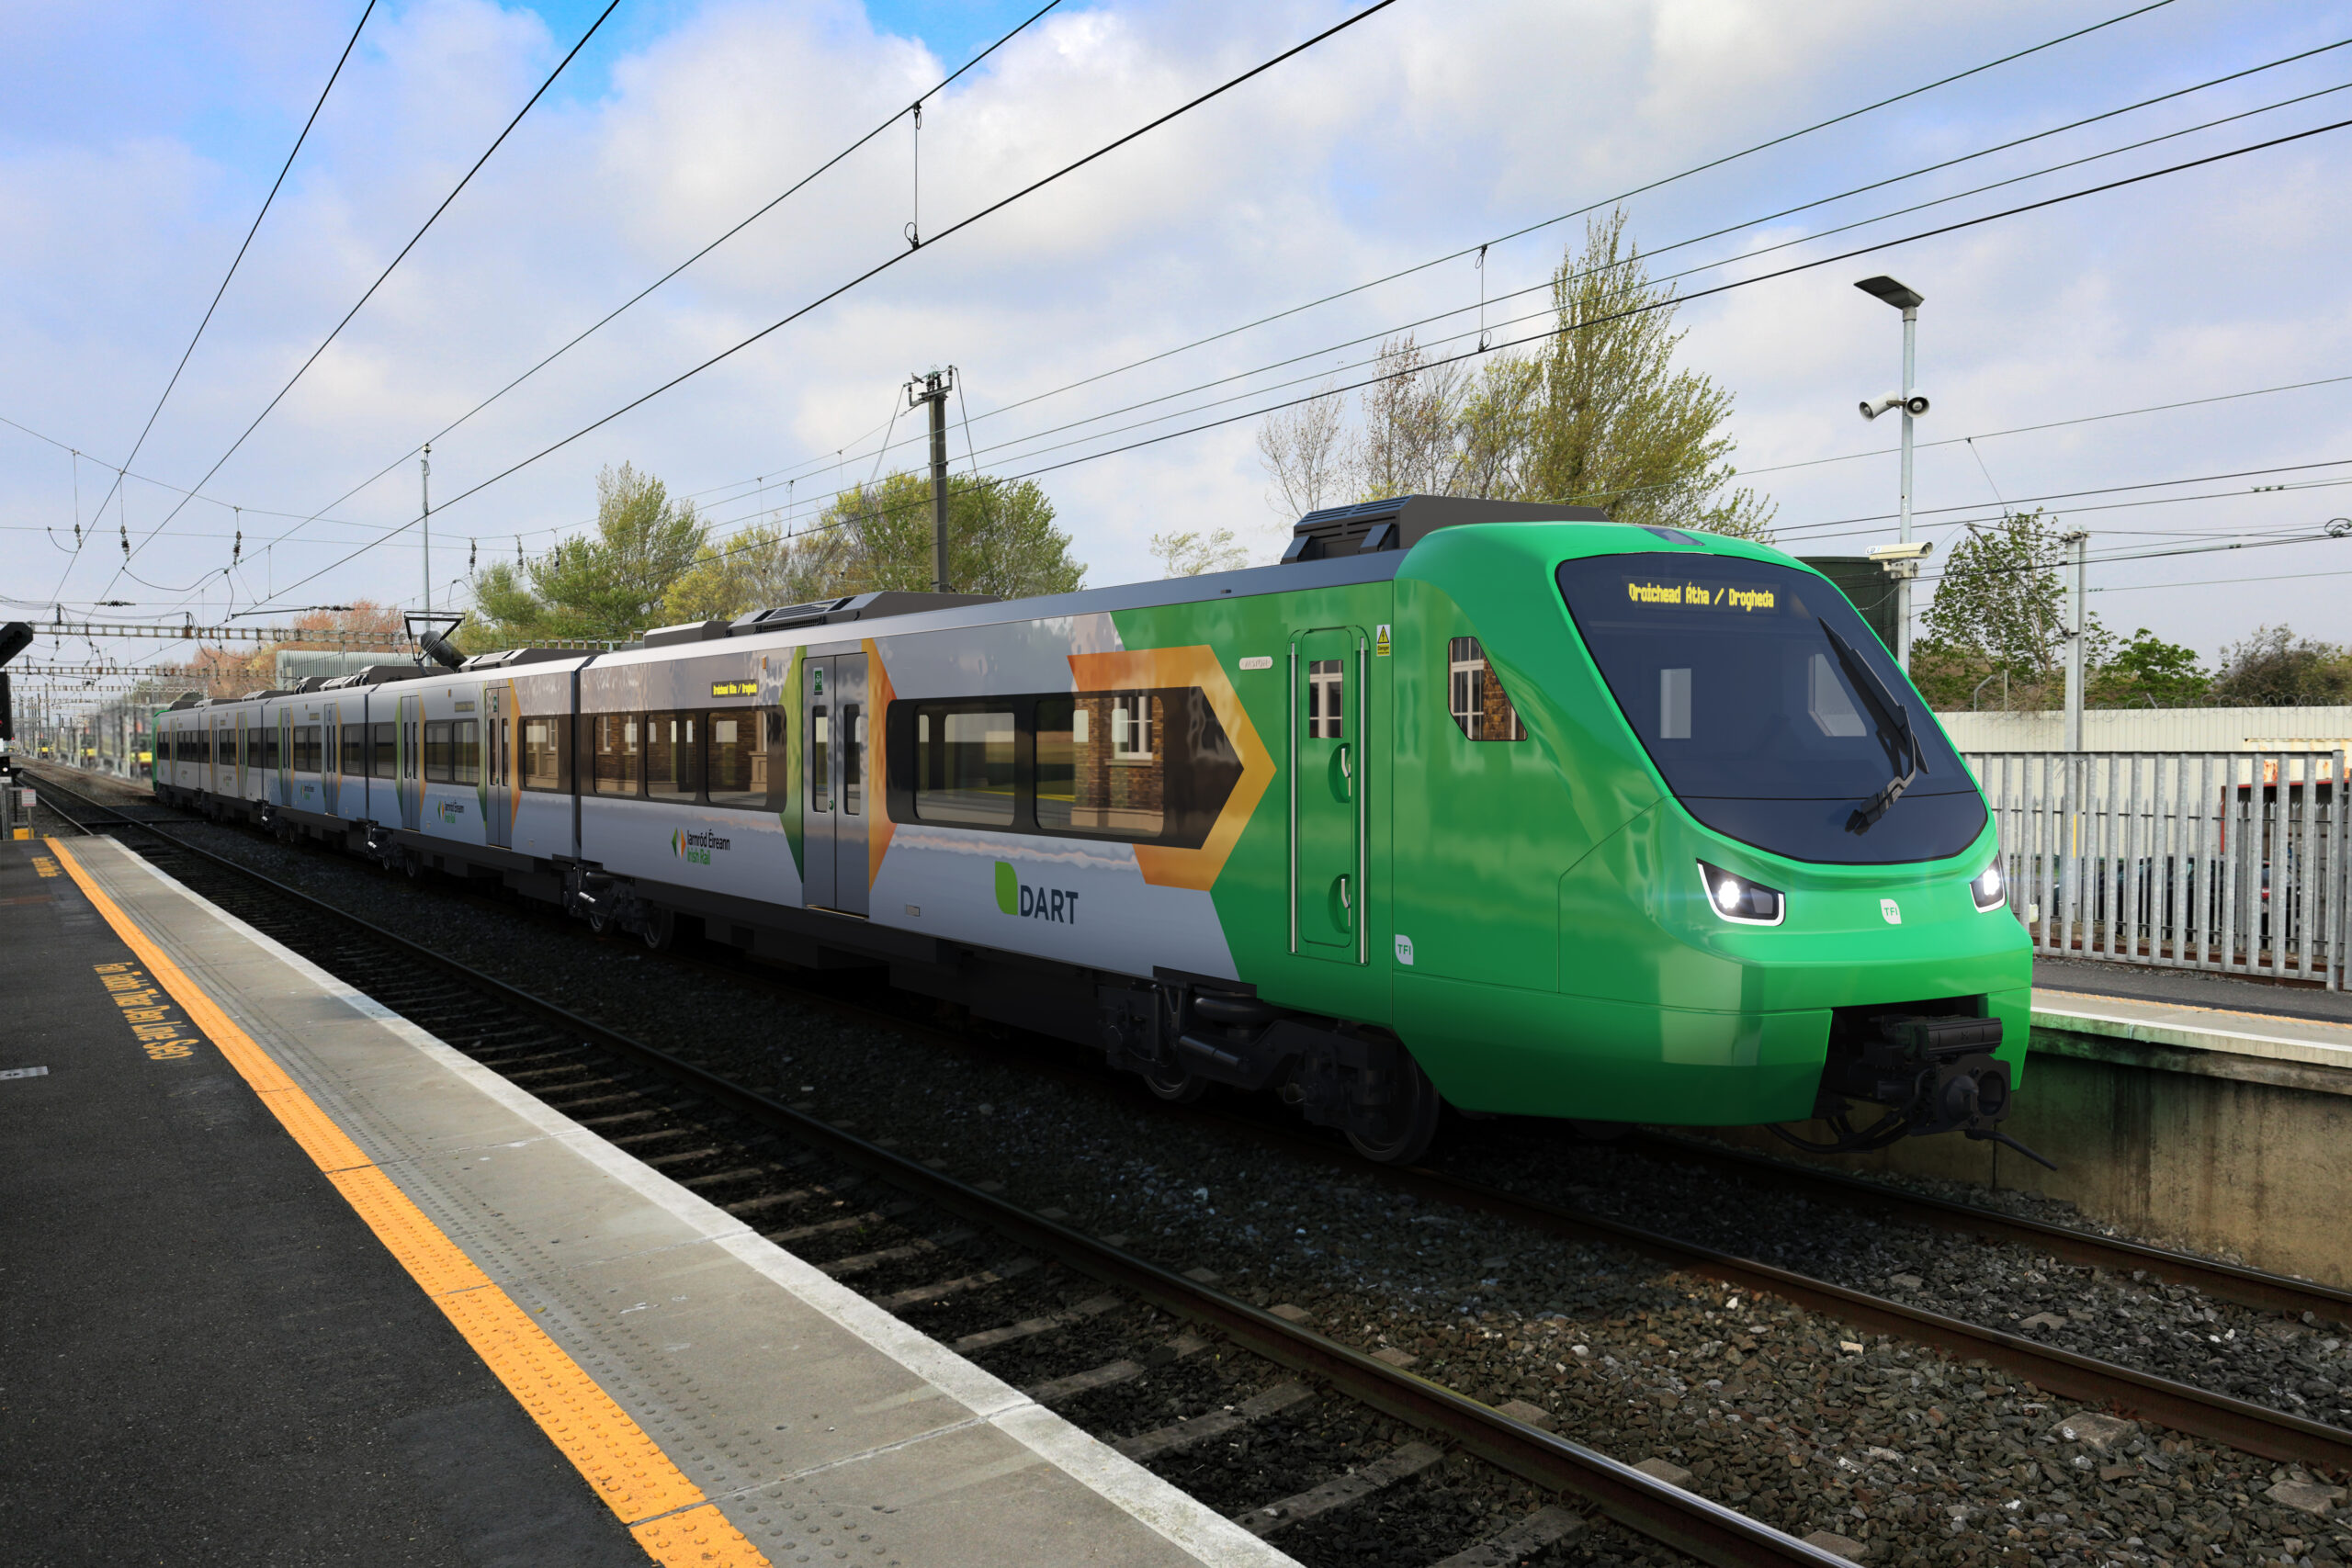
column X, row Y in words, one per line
column 1893, row 293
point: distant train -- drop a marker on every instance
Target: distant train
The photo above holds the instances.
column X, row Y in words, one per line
column 1498, row 806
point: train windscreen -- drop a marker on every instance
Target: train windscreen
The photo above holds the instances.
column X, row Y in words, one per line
column 1774, row 715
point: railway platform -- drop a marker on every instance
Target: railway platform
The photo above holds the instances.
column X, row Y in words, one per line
column 291, row 1280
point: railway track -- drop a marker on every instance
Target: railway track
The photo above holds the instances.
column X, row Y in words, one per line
column 949, row 1243
column 2240, row 1424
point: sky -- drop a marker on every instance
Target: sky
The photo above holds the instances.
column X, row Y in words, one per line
column 138, row 142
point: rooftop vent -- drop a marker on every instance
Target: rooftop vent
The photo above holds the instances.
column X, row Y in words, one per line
column 855, row 608
column 1402, row 521
column 507, row 657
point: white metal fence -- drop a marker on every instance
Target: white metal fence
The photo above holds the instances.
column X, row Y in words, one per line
column 2227, row 861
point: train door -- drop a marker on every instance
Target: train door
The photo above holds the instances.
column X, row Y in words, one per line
column 1327, row 781
column 331, row 760
column 835, row 798
column 408, row 782
column 498, row 765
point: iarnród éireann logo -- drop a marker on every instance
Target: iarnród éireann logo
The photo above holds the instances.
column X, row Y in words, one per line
column 694, row 849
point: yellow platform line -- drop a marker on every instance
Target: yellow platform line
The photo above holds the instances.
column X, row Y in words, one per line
column 666, row 1511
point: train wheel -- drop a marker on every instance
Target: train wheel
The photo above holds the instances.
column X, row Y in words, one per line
column 1175, row 1085
column 1408, row 1123
column 661, row 926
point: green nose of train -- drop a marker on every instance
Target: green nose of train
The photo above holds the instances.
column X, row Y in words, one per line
column 1683, row 845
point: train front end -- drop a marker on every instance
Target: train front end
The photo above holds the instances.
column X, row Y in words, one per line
column 1780, row 898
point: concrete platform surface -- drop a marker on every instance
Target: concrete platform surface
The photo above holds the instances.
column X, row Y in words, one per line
column 717, row 1400
column 2270, row 1036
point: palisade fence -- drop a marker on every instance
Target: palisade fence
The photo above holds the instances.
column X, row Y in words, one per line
column 2226, row 860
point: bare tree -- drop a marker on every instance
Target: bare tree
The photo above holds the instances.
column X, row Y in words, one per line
column 1192, row 552
column 1406, row 445
column 1299, row 448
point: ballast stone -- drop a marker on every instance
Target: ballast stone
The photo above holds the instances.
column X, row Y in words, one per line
column 2308, row 1495
column 1836, row 1544
column 2043, row 1320
column 2095, row 1432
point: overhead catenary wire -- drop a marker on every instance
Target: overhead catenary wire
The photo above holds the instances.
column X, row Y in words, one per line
column 434, row 218
column 617, row 312
column 1389, row 332
column 1646, row 306
column 1717, row 161
column 1480, row 248
column 234, row 261
column 877, row 269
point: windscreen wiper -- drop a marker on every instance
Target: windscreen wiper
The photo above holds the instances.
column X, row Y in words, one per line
column 1894, row 732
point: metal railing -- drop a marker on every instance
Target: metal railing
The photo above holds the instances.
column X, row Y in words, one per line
column 2226, row 860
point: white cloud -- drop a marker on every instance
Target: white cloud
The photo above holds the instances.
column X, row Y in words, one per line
column 1422, row 130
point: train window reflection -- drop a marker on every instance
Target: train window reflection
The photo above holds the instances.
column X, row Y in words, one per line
column 1827, row 702
column 383, row 753
column 964, row 766
column 465, row 752
column 614, row 745
column 542, row 753
column 672, row 752
column 1475, row 694
column 436, row 752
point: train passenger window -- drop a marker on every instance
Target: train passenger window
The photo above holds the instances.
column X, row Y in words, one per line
column 1475, row 694
column 852, row 759
column 672, row 752
column 353, row 759
column 306, row 749
column 745, row 757
column 963, row 765
column 436, row 750
column 465, row 752
column 613, row 748
column 1326, row 696
column 543, row 753
column 384, row 752
column 1094, row 763
column 821, row 751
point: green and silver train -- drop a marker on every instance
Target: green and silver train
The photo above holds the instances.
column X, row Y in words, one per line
column 1502, row 807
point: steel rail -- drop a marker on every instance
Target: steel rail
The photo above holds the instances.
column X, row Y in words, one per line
column 1683, row 1520
column 2174, row 1405
column 2223, row 1282
column 2240, row 1423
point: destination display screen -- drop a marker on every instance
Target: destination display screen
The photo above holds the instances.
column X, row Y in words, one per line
column 1769, row 709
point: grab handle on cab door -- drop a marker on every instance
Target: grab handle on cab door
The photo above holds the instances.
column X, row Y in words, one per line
column 1346, row 902
column 1348, row 772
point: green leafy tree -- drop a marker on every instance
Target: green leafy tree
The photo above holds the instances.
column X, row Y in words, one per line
column 1999, row 611
column 1000, row 540
column 2274, row 668
column 2148, row 672
column 608, row 584
column 1600, row 416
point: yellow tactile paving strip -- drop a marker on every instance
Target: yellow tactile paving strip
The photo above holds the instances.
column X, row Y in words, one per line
column 663, row 1509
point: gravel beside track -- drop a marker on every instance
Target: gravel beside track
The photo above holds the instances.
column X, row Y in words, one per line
column 1787, row 1415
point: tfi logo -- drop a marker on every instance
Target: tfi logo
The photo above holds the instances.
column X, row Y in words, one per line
column 1891, row 910
column 1015, row 897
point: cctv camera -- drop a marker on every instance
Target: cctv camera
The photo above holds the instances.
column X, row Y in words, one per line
column 1873, row 407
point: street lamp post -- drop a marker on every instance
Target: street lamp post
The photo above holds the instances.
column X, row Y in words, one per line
column 1911, row 405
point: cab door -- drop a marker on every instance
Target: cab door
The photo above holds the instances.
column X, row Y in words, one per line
column 836, row 799
column 1327, row 680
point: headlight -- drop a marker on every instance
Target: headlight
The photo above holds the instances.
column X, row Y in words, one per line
column 1990, row 888
column 1740, row 901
